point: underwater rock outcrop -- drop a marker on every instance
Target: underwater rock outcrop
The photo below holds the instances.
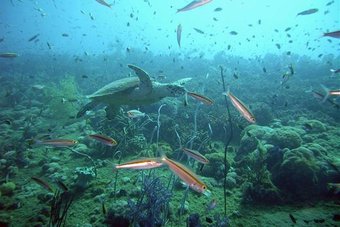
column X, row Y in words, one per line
column 285, row 137
column 304, row 172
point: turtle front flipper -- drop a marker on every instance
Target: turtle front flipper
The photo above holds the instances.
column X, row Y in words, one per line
column 145, row 84
column 87, row 107
column 111, row 112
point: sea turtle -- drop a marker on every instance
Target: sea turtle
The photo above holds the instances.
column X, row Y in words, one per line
column 132, row 91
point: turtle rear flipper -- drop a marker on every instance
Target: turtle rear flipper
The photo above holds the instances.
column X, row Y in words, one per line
column 87, row 107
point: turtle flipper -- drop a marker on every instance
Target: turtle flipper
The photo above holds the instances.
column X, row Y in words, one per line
column 145, row 81
column 87, row 107
column 111, row 112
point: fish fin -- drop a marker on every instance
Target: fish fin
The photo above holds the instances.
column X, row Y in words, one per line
column 186, row 99
column 85, row 108
column 207, row 193
column 326, row 91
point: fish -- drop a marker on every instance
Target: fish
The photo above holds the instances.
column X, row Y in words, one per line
column 135, row 114
column 179, row 34
column 104, row 139
column 307, row 12
column 330, row 3
column 42, row 183
column 33, row 37
column 38, row 86
column 8, row 55
column 196, row 155
column 194, row 4
column 103, row 207
column 146, row 163
column 292, row 218
column 334, row 92
column 199, row 31
column 57, row 142
column 190, row 178
column 61, row 185
column 233, row 33
column 211, row 205
column 104, row 3
column 49, row 45
column 201, row 98
column 325, row 98
column 65, row 35
column 335, row 71
column 218, row 9
column 335, row 34
column 335, row 187
column 241, row 107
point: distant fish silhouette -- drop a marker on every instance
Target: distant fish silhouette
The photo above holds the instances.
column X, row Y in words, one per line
column 104, row 3
column 179, row 34
column 307, row 12
column 193, row 5
column 335, row 34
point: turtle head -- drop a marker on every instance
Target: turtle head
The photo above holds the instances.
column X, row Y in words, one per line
column 175, row 90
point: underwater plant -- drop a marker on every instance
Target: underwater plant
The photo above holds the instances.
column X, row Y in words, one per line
column 152, row 205
column 60, row 205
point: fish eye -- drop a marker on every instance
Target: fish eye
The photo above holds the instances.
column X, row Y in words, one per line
column 204, row 187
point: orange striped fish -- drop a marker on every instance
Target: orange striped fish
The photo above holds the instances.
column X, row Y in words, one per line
column 58, row 142
column 202, row 98
column 195, row 155
column 243, row 109
column 186, row 175
column 147, row 163
column 334, row 92
column 104, row 139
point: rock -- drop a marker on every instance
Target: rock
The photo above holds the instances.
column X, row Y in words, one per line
column 300, row 168
column 285, row 137
column 7, row 188
column 215, row 168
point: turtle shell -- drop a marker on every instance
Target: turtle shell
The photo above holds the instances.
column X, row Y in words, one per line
column 122, row 85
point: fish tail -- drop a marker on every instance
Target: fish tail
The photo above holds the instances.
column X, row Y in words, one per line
column 326, row 91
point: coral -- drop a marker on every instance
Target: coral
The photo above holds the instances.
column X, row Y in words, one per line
column 7, row 188
column 248, row 141
column 285, row 137
column 263, row 113
column 313, row 126
column 259, row 186
column 83, row 176
column 61, row 108
column 215, row 168
column 300, row 168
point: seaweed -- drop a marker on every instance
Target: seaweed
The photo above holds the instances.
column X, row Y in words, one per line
column 60, row 205
column 152, row 205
